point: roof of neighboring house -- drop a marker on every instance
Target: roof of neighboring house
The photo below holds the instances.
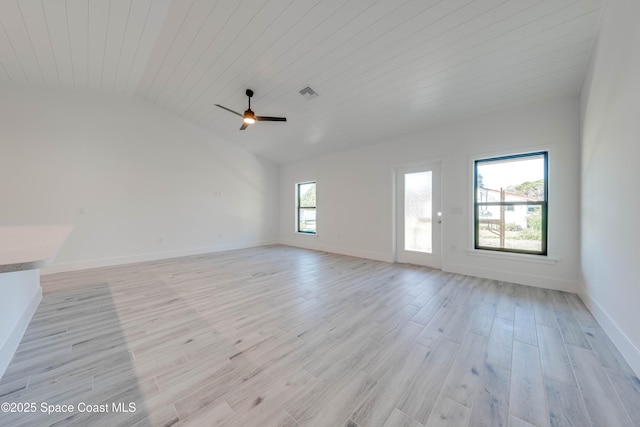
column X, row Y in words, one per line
column 510, row 195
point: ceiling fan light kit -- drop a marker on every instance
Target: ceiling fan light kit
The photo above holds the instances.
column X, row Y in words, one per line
column 249, row 117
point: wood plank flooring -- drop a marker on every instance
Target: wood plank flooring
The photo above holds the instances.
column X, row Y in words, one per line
column 280, row 336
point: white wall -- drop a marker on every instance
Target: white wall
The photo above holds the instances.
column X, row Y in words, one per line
column 610, row 229
column 360, row 180
column 137, row 182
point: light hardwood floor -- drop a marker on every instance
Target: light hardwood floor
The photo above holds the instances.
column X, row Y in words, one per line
column 279, row 336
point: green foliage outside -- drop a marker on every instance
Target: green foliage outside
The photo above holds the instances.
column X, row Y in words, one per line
column 534, row 221
column 308, row 198
column 512, row 226
column 533, row 189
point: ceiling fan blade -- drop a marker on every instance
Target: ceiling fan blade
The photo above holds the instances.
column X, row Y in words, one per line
column 229, row 110
column 244, row 126
column 270, row 119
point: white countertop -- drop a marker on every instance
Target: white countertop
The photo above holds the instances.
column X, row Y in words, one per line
column 26, row 247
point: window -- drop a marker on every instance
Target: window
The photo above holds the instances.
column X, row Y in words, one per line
column 306, row 201
column 510, row 206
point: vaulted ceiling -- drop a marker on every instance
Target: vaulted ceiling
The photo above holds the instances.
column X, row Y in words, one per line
column 381, row 68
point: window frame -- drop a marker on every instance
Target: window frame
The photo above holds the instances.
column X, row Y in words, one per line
column 544, row 204
column 299, row 208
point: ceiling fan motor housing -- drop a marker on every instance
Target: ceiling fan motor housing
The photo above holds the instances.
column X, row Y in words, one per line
column 249, row 115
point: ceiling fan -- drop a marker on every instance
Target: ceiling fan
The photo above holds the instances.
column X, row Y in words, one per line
column 249, row 116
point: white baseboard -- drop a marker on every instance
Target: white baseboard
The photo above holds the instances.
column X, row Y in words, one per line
column 151, row 256
column 629, row 351
column 505, row 276
column 11, row 345
column 308, row 244
column 513, row 277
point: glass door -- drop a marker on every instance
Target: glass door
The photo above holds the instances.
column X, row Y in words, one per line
column 418, row 215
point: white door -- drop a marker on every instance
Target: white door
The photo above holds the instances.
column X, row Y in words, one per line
column 418, row 215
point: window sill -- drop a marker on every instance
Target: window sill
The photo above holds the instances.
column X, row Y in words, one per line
column 300, row 233
column 539, row 259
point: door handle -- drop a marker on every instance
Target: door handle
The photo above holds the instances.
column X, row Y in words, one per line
column 439, row 217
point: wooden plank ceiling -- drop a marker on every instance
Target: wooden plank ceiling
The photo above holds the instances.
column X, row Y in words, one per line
column 381, row 68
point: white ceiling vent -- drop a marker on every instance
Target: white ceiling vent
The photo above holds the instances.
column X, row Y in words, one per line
column 308, row 93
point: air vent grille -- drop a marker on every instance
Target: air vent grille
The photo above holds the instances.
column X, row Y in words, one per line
column 308, row 93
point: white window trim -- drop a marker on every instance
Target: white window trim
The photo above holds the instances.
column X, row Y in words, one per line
column 540, row 259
